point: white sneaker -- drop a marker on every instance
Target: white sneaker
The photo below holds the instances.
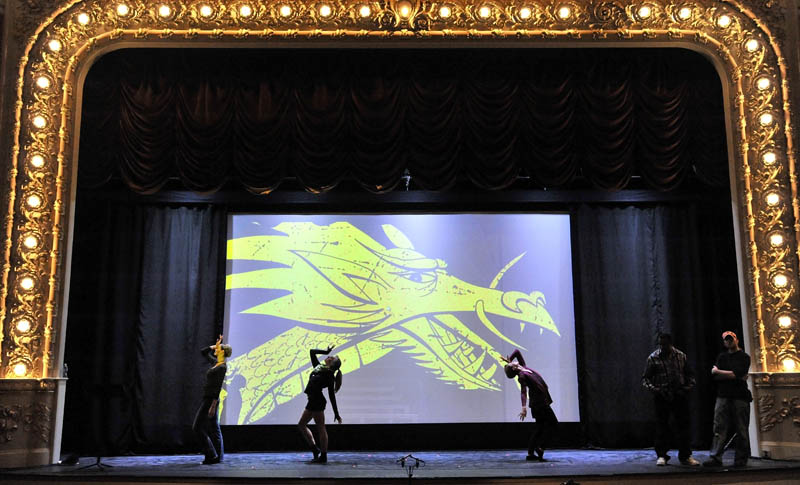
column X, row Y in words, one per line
column 690, row 462
column 661, row 461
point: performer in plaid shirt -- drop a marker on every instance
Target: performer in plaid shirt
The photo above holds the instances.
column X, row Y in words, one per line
column 670, row 378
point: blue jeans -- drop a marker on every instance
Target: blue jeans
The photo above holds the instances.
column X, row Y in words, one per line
column 731, row 416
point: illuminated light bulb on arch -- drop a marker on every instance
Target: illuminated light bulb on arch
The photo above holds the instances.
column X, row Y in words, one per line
column 37, row 161
column 789, row 364
column 365, row 11
column 445, row 12
column 645, row 12
column 404, row 9
column 83, row 18
column 43, row 82
column 286, row 10
column 724, row 21
column 525, row 13
column 23, row 325
column 684, row 13
column 785, row 321
column 34, row 201
column 484, row 12
column 39, row 121
column 164, row 11
column 20, row 370
column 776, row 240
column 769, row 158
column 30, row 242
column 765, row 119
column 564, row 12
column 780, row 280
column 26, row 283
column 752, row 45
column 763, row 83
column 245, row 10
column 773, row 198
column 123, row 10
column 206, row 11
column 54, row 45
column 325, row 10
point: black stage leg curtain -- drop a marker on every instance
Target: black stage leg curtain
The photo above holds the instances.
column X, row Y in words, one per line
column 642, row 271
column 143, row 300
column 146, row 294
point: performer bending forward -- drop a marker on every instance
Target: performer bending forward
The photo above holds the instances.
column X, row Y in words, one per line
column 325, row 374
column 206, row 424
column 539, row 402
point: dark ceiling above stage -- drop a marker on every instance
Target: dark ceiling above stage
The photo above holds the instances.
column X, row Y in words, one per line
column 201, row 119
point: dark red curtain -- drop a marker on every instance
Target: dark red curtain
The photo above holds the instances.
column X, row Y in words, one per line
column 595, row 117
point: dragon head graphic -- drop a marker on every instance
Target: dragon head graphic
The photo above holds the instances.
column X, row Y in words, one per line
column 344, row 287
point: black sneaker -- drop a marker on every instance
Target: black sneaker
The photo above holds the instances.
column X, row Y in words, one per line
column 212, row 461
column 532, row 458
column 740, row 463
column 712, row 462
column 322, row 458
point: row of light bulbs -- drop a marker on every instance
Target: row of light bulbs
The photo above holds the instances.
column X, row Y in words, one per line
column 404, row 9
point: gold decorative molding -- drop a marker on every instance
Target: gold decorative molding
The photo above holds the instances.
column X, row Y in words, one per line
column 60, row 43
column 35, row 419
column 770, row 415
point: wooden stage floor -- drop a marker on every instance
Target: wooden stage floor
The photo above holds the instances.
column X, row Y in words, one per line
column 620, row 467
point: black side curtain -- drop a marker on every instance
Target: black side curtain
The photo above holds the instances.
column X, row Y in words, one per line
column 488, row 116
column 144, row 298
column 644, row 271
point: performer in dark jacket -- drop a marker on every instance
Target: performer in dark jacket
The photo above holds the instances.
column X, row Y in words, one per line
column 325, row 375
column 206, row 423
column 540, row 400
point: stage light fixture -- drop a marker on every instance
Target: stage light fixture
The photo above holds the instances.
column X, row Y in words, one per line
column 645, row 11
column 123, row 10
column 26, row 283
column 789, row 364
column 43, row 82
column 564, row 12
column 724, row 21
column 83, row 18
column 54, row 45
column 773, row 199
column 20, row 370
column 365, row 11
column 784, row 321
column 39, row 121
column 34, row 201
column 30, row 242
column 37, row 161
column 325, row 10
column 765, row 119
column 525, row 13
column 245, row 11
column 780, row 280
column 445, row 12
column 763, row 83
column 684, row 13
column 206, row 11
column 752, row 45
column 23, row 325
column 776, row 239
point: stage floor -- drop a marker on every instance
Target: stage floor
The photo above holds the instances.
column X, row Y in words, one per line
column 595, row 466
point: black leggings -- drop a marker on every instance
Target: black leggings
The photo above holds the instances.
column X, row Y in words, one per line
column 208, row 432
column 546, row 423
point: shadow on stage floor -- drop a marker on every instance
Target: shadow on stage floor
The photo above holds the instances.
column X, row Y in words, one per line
column 580, row 466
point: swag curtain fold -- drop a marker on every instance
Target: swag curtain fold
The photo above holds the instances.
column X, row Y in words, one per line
column 442, row 115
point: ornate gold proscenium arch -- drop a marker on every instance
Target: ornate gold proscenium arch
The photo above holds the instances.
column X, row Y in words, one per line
column 57, row 55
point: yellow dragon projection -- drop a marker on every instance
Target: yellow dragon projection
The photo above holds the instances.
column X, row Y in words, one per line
column 345, row 288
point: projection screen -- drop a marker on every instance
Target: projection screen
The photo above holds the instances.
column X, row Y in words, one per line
column 420, row 308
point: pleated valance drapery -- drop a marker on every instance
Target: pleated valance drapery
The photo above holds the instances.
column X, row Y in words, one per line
column 489, row 116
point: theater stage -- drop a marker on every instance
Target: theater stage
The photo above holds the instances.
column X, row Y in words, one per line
column 509, row 466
